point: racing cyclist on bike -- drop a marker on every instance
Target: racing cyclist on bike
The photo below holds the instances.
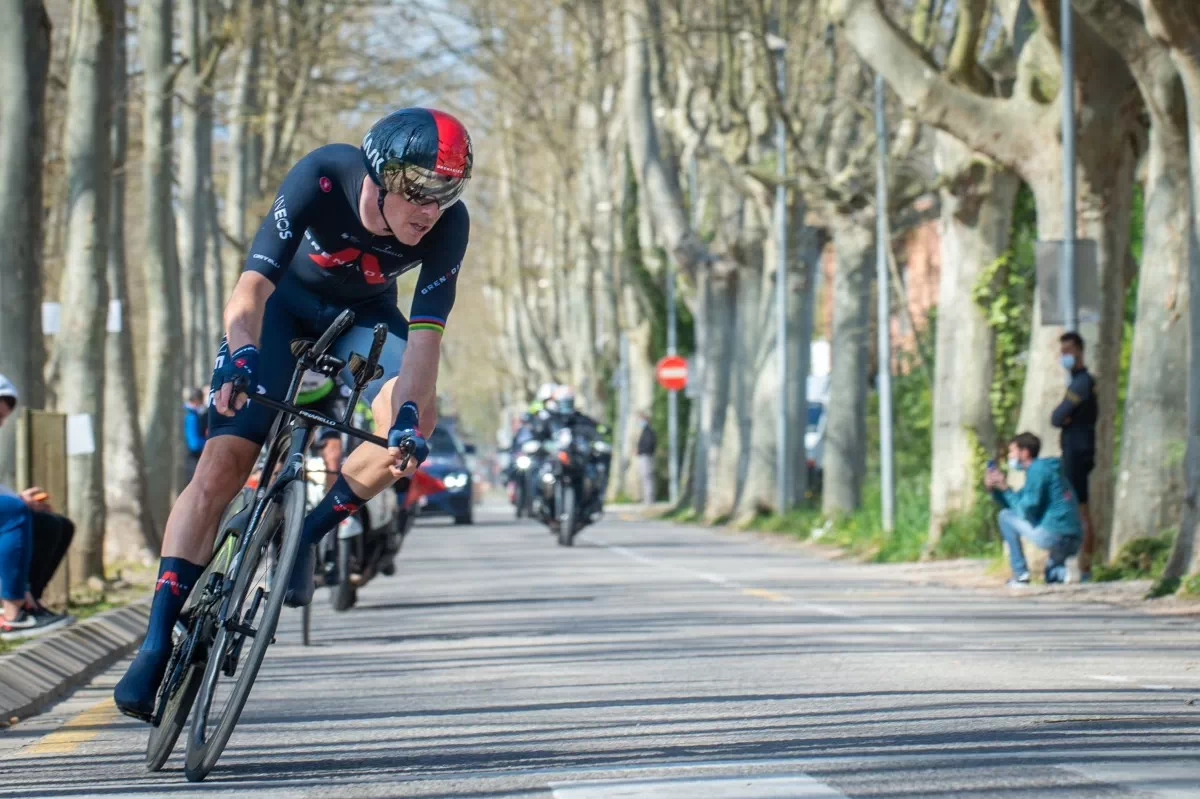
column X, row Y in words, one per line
column 347, row 221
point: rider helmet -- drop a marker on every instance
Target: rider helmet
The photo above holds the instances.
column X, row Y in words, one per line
column 422, row 154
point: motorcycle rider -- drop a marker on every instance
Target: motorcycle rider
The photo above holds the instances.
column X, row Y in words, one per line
column 561, row 413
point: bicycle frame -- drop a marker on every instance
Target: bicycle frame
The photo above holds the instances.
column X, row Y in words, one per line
column 301, row 422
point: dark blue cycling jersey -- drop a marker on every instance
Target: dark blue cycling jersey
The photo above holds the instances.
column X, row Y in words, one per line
column 313, row 236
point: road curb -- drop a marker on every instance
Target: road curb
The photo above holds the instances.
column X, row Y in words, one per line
column 44, row 670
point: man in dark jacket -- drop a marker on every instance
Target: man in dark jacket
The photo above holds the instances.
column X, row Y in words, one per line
column 646, row 445
column 1076, row 415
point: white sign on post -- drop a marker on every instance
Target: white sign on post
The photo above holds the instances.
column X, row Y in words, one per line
column 80, row 440
column 113, row 324
column 51, row 313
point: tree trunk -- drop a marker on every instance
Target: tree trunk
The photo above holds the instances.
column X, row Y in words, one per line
column 720, row 290
column 25, row 49
column 846, row 425
column 1103, row 202
column 801, row 306
column 195, row 164
column 84, row 284
column 977, row 211
column 705, row 335
column 718, row 386
column 129, row 530
column 1176, row 23
column 239, row 156
column 160, row 420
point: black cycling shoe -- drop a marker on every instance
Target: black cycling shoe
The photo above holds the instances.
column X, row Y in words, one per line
column 301, row 587
column 137, row 691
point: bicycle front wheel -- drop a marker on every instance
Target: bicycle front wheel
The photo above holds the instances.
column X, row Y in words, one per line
column 235, row 656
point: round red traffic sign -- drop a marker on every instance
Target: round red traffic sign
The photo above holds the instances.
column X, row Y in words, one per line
column 672, row 373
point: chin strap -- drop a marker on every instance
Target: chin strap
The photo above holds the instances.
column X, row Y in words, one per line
column 382, row 194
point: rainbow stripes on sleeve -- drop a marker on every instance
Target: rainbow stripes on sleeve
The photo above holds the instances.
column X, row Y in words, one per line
column 427, row 323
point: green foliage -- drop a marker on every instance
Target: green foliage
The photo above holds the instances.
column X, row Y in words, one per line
column 1190, row 586
column 1140, row 559
column 1136, row 242
column 651, row 293
column 973, row 532
column 1005, row 293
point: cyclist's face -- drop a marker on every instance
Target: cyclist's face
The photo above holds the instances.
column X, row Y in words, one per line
column 5, row 410
column 408, row 221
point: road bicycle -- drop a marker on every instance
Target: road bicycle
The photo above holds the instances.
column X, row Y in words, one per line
column 240, row 594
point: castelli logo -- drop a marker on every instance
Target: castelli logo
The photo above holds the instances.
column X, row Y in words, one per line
column 325, row 183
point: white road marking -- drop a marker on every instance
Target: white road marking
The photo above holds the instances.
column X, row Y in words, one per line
column 721, row 580
column 796, row 786
column 1169, row 779
column 1116, row 678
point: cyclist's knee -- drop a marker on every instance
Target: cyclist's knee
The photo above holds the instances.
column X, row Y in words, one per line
column 224, row 467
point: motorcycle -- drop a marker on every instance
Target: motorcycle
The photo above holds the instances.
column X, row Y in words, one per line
column 569, row 483
column 521, row 473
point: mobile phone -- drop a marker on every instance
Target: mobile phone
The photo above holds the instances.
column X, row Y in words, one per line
column 991, row 464
column 41, row 496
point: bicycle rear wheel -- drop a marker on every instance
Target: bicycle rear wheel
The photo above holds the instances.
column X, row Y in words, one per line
column 256, row 591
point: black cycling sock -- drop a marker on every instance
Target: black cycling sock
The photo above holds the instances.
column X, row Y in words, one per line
column 135, row 693
column 339, row 503
column 176, row 577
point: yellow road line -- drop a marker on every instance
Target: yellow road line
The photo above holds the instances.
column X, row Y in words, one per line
column 763, row 593
column 76, row 732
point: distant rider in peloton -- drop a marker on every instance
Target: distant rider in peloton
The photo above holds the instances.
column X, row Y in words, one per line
column 346, row 222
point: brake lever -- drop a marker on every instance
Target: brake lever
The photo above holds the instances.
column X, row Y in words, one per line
column 406, row 448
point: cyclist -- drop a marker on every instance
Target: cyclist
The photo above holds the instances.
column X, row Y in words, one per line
column 347, row 221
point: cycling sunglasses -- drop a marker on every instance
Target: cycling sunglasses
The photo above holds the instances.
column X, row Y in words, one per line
column 422, row 186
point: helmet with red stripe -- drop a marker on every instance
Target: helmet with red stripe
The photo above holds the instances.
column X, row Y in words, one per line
column 423, row 154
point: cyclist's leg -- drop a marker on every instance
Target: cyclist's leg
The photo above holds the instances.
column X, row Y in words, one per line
column 228, row 456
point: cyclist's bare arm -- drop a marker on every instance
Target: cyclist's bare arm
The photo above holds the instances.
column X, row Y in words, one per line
column 417, row 380
column 370, row 469
column 243, row 325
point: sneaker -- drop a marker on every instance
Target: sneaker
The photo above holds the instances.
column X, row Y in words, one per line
column 1021, row 581
column 1058, row 574
column 44, row 612
column 29, row 625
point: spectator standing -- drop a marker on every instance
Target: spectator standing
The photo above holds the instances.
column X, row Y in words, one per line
column 21, row 563
column 646, row 446
column 1044, row 511
column 1076, row 415
column 194, row 430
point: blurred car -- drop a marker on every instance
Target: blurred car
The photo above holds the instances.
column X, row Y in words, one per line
column 447, row 462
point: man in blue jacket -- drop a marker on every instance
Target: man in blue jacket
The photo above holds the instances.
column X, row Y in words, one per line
column 1044, row 511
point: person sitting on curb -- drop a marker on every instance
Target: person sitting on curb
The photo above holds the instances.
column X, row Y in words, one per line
column 1044, row 511
column 23, row 615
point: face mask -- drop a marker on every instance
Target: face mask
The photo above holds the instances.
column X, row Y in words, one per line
column 1067, row 361
column 1014, row 464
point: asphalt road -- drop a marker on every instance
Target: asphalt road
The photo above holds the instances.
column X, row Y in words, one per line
column 661, row 661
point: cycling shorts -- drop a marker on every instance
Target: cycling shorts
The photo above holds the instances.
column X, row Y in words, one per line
column 292, row 312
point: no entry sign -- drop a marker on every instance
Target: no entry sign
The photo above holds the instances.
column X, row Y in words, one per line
column 672, row 373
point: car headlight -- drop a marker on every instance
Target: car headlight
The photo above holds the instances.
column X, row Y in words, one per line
column 455, row 480
column 531, row 446
column 523, row 462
